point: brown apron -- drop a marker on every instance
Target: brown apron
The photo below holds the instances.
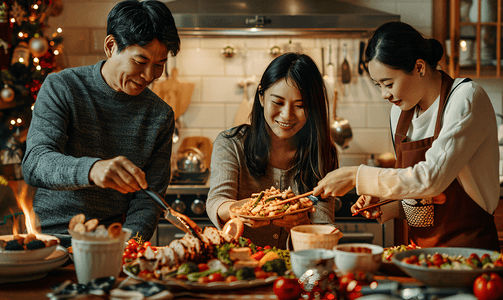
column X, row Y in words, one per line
column 460, row 221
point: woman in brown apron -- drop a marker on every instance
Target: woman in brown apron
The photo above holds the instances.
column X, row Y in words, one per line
column 445, row 139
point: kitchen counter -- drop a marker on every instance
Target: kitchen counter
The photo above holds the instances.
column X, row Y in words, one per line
column 189, row 189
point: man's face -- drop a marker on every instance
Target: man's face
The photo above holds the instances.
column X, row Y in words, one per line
column 135, row 67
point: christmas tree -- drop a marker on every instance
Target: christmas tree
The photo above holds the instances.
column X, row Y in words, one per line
column 27, row 55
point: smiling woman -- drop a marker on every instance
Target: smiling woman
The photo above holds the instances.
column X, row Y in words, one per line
column 287, row 145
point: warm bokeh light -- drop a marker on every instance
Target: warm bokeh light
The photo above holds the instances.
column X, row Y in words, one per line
column 56, row 52
column 20, row 34
column 38, row 68
column 59, row 30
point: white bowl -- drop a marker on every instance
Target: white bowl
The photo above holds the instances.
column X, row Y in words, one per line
column 350, row 262
column 15, row 256
column 321, row 260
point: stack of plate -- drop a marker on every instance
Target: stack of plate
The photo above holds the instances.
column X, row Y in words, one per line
column 28, row 265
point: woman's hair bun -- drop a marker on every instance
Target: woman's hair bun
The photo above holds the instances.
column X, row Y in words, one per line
column 436, row 51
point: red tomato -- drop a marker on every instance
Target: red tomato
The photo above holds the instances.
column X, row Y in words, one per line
column 344, row 281
column 216, row 277
column 488, row 286
column 261, row 274
column 202, row 267
column 287, row 289
column 231, row 278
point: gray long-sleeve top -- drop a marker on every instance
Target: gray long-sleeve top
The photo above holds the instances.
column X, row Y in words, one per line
column 77, row 120
column 231, row 180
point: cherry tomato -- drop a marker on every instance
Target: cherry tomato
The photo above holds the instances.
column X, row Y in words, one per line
column 146, row 274
column 287, row 289
column 488, row 286
column 202, row 267
column 216, row 277
column 231, row 278
column 147, row 244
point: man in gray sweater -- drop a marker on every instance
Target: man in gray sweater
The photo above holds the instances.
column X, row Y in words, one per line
column 98, row 135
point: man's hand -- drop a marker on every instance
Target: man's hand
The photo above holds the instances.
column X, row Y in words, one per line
column 119, row 174
column 337, row 183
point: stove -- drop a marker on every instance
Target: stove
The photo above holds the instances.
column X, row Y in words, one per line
column 182, row 178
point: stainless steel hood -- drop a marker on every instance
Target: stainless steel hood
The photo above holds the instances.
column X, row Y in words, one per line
column 275, row 17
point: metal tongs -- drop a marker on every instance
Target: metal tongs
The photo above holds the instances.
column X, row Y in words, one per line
column 172, row 216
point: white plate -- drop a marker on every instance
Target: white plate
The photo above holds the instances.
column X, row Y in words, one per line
column 32, row 270
column 240, row 203
column 212, row 286
column 14, row 256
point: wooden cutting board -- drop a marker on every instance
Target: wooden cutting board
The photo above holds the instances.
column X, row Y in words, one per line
column 177, row 94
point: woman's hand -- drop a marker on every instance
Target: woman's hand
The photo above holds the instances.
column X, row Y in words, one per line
column 292, row 220
column 118, row 173
column 363, row 201
column 337, row 183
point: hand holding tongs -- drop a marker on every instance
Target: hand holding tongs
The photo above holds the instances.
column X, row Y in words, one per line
column 171, row 215
column 439, row 199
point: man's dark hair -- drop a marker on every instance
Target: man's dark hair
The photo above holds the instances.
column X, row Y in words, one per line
column 132, row 22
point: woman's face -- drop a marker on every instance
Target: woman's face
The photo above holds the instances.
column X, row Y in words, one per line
column 283, row 109
column 396, row 86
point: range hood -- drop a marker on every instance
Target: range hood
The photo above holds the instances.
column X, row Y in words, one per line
column 275, row 17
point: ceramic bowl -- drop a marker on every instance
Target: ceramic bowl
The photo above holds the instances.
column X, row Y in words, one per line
column 321, row 260
column 315, row 236
column 444, row 277
column 16, row 256
column 347, row 261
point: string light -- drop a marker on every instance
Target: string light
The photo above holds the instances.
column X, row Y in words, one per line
column 36, row 60
column 21, row 60
column 38, row 68
column 56, row 52
column 20, row 34
column 59, row 30
column 12, row 20
column 35, row 6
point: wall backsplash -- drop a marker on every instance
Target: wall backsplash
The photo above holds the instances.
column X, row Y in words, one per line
column 218, row 94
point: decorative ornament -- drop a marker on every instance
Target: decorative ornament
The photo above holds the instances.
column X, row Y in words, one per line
column 275, row 51
column 5, row 46
column 4, row 13
column 7, row 94
column 38, row 46
column 229, row 51
column 18, row 13
column 21, row 54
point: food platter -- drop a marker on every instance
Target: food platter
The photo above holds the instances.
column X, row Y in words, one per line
column 240, row 203
column 212, row 286
column 443, row 277
column 32, row 270
column 21, row 256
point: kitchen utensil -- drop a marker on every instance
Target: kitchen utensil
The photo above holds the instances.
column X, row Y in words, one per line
column 295, row 198
column 340, row 130
column 200, row 142
column 180, row 221
column 177, row 94
column 345, row 71
column 440, row 199
column 347, row 261
column 191, row 160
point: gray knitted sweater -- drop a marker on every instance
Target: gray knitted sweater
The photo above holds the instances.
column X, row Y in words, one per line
column 231, row 180
column 78, row 119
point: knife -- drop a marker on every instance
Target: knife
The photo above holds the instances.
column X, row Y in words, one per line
column 169, row 215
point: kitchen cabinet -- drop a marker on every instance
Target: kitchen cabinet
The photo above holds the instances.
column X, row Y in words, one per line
column 474, row 26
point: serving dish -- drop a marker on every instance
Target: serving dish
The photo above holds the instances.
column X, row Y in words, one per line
column 443, row 277
column 32, row 270
column 212, row 286
column 14, row 256
column 349, row 260
column 240, row 203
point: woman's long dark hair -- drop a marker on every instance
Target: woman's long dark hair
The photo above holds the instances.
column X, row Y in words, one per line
column 398, row 45
column 316, row 153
